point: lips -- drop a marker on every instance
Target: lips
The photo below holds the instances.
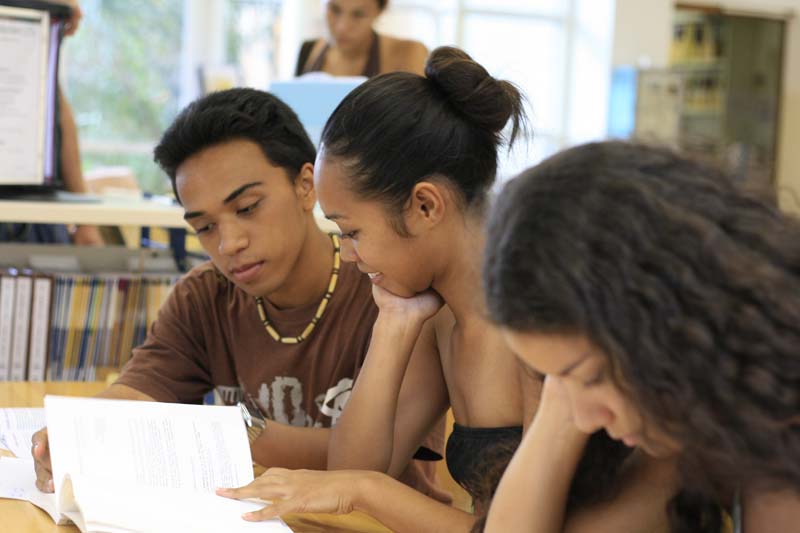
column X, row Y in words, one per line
column 247, row 272
column 375, row 277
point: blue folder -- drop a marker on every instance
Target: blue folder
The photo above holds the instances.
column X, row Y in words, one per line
column 314, row 97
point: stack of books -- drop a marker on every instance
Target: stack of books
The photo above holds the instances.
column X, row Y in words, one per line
column 74, row 327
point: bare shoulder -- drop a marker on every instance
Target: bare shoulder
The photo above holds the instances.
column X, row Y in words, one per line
column 775, row 511
column 402, row 54
column 647, row 486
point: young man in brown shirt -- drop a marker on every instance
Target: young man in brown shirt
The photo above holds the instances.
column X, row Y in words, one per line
column 275, row 315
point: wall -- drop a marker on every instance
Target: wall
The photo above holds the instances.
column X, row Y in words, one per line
column 642, row 30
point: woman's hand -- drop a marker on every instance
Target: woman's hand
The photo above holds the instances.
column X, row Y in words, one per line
column 555, row 412
column 533, row 492
column 415, row 309
column 301, row 491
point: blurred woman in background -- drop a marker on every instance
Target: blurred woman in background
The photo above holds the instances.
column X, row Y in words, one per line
column 354, row 48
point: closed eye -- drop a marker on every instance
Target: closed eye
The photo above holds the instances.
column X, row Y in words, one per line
column 204, row 229
column 248, row 209
column 350, row 234
column 597, row 380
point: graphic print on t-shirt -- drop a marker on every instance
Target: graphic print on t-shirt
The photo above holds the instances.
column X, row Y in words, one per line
column 282, row 401
column 332, row 402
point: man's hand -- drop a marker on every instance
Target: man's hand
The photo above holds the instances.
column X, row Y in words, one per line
column 40, row 449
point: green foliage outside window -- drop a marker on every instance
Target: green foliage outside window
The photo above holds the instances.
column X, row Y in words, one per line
column 122, row 74
column 123, row 78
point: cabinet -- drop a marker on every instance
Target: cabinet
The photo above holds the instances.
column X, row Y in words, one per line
column 719, row 100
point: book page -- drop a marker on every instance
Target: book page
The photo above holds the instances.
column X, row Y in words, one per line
column 148, row 444
column 168, row 510
column 17, row 426
column 18, row 481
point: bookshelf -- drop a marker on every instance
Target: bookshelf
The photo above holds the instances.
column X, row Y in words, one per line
column 105, row 212
column 108, row 211
column 75, row 313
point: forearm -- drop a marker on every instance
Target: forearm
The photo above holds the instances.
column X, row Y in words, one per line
column 407, row 510
column 292, row 447
column 363, row 437
column 124, row 392
column 533, row 492
column 70, row 152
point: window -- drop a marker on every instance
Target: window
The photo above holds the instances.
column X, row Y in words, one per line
column 557, row 51
column 133, row 65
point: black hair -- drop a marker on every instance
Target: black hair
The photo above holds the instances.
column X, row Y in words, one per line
column 597, row 478
column 398, row 129
column 235, row 114
column 686, row 280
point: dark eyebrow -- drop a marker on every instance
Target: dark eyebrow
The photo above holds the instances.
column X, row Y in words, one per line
column 335, row 216
column 238, row 192
column 228, row 199
column 572, row 366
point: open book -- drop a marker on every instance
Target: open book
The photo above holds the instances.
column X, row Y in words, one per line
column 128, row 466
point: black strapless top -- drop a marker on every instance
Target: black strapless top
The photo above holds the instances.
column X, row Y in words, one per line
column 477, row 457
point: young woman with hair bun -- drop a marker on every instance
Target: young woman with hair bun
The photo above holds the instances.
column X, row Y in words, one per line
column 405, row 166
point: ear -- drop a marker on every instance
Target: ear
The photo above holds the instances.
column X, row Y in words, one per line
column 426, row 206
column 304, row 187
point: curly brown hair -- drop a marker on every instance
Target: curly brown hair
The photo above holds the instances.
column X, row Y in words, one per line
column 685, row 279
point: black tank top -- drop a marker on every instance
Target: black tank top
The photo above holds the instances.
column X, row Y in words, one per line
column 372, row 68
column 477, row 457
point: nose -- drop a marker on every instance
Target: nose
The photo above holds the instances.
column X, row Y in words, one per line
column 348, row 251
column 342, row 28
column 232, row 239
column 588, row 415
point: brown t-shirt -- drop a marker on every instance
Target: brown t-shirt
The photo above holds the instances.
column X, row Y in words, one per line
column 208, row 335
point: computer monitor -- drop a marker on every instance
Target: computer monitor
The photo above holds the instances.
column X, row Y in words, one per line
column 314, row 97
column 30, row 36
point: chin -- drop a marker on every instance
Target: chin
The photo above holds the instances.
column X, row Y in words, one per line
column 398, row 290
column 258, row 288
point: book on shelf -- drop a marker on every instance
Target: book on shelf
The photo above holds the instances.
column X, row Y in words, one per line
column 74, row 326
column 8, row 285
column 40, row 327
column 167, row 458
column 22, row 315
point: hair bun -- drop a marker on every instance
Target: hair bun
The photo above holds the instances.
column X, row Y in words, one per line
column 483, row 100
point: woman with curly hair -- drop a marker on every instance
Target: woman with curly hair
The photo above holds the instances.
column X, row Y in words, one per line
column 662, row 301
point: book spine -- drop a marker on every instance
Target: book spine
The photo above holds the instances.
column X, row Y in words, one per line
column 22, row 321
column 84, row 369
column 63, row 299
column 7, row 286
column 40, row 328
